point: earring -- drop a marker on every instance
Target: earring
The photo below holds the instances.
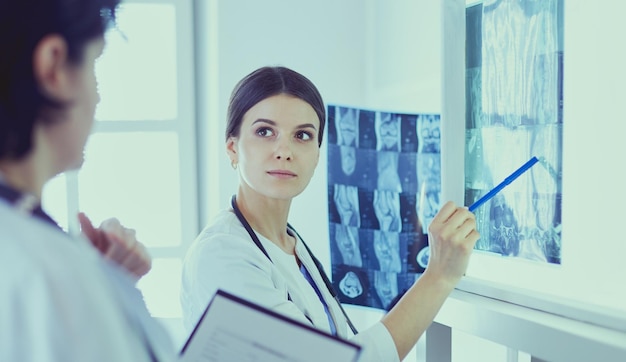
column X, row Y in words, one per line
column 233, row 164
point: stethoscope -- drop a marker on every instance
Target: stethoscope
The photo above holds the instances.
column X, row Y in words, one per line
column 318, row 265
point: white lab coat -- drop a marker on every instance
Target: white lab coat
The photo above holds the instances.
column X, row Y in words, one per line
column 60, row 301
column 224, row 257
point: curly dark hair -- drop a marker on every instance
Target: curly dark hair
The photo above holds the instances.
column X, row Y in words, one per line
column 23, row 24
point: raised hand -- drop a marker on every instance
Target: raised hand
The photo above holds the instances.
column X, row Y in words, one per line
column 118, row 244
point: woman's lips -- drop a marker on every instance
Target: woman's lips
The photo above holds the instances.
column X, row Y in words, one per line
column 281, row 173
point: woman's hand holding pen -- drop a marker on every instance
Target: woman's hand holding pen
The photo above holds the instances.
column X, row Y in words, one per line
column 452, row 236
column 118, row 244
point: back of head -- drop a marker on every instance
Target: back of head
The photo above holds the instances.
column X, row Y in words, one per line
column 266, row 82
column 23, row 24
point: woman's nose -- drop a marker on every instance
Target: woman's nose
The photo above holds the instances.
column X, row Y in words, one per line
column 283, row 150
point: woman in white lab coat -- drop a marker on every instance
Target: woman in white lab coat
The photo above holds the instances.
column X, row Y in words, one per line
column 61, row 300
column 275, row 125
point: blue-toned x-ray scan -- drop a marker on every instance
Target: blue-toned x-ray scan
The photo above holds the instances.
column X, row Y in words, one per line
column 384, row 187
column 514, row 98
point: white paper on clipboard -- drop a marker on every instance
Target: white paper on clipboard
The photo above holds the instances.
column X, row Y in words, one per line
column 233, row 329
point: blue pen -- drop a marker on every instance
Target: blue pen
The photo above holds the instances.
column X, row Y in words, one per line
column 504, row 183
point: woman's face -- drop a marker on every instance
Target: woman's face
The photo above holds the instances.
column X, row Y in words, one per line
column 277, row 148
column 66, row 138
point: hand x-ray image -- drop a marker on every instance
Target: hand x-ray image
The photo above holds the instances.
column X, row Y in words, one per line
column 384, row 187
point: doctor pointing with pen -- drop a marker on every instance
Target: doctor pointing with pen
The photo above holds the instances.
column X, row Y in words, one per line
column 517, row 173
column 276, row 120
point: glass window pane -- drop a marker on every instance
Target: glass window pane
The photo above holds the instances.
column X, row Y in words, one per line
column 161, row 288
column 134, row 177
column 137, row 71
column 54, row 200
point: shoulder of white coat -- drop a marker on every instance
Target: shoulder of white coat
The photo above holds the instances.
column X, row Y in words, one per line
column 225, row 223
column 222, row 242
column 34, row 247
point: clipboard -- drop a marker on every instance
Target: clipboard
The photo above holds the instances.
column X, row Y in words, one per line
column 234, row 329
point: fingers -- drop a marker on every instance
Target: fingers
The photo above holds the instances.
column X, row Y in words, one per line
column 122, row 246
column 94, row 235
column 86, row 226
column 122, row 241
column 445, row 212
column 138, row 261
column 452, row 237
column 452, row 218
column 113, row 227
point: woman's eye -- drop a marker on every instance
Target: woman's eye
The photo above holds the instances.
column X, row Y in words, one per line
column 304, row 136
column 265, row 132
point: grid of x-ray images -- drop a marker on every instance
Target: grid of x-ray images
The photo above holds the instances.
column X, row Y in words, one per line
column 384, row 187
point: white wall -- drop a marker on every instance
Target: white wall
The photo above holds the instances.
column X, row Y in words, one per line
column 404, row 48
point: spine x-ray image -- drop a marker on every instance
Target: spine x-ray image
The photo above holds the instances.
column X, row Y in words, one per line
column 514, row 98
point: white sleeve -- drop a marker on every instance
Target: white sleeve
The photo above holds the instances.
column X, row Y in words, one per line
column 377, row 344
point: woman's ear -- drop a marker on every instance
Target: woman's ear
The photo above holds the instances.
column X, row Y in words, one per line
column 232, row 150
column 50, row 68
